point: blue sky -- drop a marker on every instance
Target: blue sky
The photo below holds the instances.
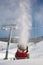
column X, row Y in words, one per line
column 37, row 19
column 10, row 11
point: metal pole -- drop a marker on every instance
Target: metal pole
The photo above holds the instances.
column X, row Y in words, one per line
column 10, row 33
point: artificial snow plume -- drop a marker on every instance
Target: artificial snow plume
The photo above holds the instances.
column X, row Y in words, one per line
column 25, row 21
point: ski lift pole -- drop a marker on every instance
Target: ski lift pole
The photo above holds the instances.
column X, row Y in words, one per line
column 9, row 40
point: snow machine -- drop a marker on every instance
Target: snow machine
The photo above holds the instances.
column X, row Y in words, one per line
column 22, row 53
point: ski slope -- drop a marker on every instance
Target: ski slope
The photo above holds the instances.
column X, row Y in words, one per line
column 35, row 50
column 23, row 62
column 12, row 50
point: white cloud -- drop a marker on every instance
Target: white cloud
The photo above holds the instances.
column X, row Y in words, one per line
column 10, row 10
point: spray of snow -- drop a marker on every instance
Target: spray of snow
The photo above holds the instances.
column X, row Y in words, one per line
column 25, row 23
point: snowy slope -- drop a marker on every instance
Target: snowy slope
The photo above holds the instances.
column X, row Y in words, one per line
column 12, row 50
column 36, row 54
column 23, row 62
column 36, row 50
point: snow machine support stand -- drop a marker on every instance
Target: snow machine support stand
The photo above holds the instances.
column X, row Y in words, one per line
column 9, row 27
column 6, row 56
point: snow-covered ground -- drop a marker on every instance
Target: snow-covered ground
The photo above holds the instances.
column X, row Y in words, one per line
column 22, row 62
column 35, row 50
column 12, row 50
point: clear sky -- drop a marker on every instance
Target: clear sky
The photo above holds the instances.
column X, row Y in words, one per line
column 37, row 18
column 10, row 11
